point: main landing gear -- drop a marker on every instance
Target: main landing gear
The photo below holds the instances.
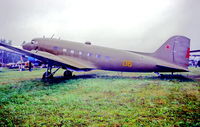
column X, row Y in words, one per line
column 67, row 74
column 49, row 74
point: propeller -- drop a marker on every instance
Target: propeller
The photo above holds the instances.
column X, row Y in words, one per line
column 24, row 42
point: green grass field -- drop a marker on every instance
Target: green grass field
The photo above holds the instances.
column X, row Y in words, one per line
column 98, row 98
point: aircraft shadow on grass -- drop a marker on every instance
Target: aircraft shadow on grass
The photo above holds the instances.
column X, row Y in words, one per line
column 180, row 78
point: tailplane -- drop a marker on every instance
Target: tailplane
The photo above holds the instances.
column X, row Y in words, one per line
column 175, row 50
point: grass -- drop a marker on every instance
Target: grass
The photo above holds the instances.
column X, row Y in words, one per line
column 97, row 99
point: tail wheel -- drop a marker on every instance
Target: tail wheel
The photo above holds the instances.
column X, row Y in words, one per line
column 67, row 74
column 47, row 75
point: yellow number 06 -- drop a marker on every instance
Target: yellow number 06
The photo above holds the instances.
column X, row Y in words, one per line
column 127, row 63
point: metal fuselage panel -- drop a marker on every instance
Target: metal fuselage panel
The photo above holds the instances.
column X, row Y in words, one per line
column 103, row 58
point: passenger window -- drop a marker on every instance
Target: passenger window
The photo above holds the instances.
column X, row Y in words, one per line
column 55, row 48
column 72, row 51
column 64, row 50
column 98, row 56
column 80, row 53
column 89, row 54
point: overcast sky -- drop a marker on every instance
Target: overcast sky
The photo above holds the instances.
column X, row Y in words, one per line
column 140, row 25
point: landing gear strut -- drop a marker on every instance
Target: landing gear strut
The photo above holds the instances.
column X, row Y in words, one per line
column 49, row 74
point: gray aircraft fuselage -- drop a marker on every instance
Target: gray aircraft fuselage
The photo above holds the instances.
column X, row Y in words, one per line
column 101, row 57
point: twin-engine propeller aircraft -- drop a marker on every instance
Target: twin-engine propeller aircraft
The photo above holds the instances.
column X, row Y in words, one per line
column 172, row 56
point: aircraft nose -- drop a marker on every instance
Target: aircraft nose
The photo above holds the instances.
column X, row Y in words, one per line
column 33, row 45
column 27, row 46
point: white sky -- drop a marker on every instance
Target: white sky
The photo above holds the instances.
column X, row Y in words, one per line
column 141, row 25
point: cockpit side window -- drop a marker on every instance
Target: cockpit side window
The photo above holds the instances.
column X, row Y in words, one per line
column 34, row 42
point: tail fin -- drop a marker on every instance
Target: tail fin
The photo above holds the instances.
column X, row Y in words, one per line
column 175, row 50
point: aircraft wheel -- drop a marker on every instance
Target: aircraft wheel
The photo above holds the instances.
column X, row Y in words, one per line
column 47, row 74
column 67, row 74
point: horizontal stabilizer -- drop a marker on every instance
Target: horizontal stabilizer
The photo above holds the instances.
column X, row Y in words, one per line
column 172, row 69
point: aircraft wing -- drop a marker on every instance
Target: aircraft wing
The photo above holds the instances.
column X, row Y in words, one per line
column 6, row 49
column 66, row 61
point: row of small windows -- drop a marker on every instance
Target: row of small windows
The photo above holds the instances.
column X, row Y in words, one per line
column 88, row 54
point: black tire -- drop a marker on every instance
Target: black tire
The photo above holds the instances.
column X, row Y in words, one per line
column 49, row 77
column 67, row 74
